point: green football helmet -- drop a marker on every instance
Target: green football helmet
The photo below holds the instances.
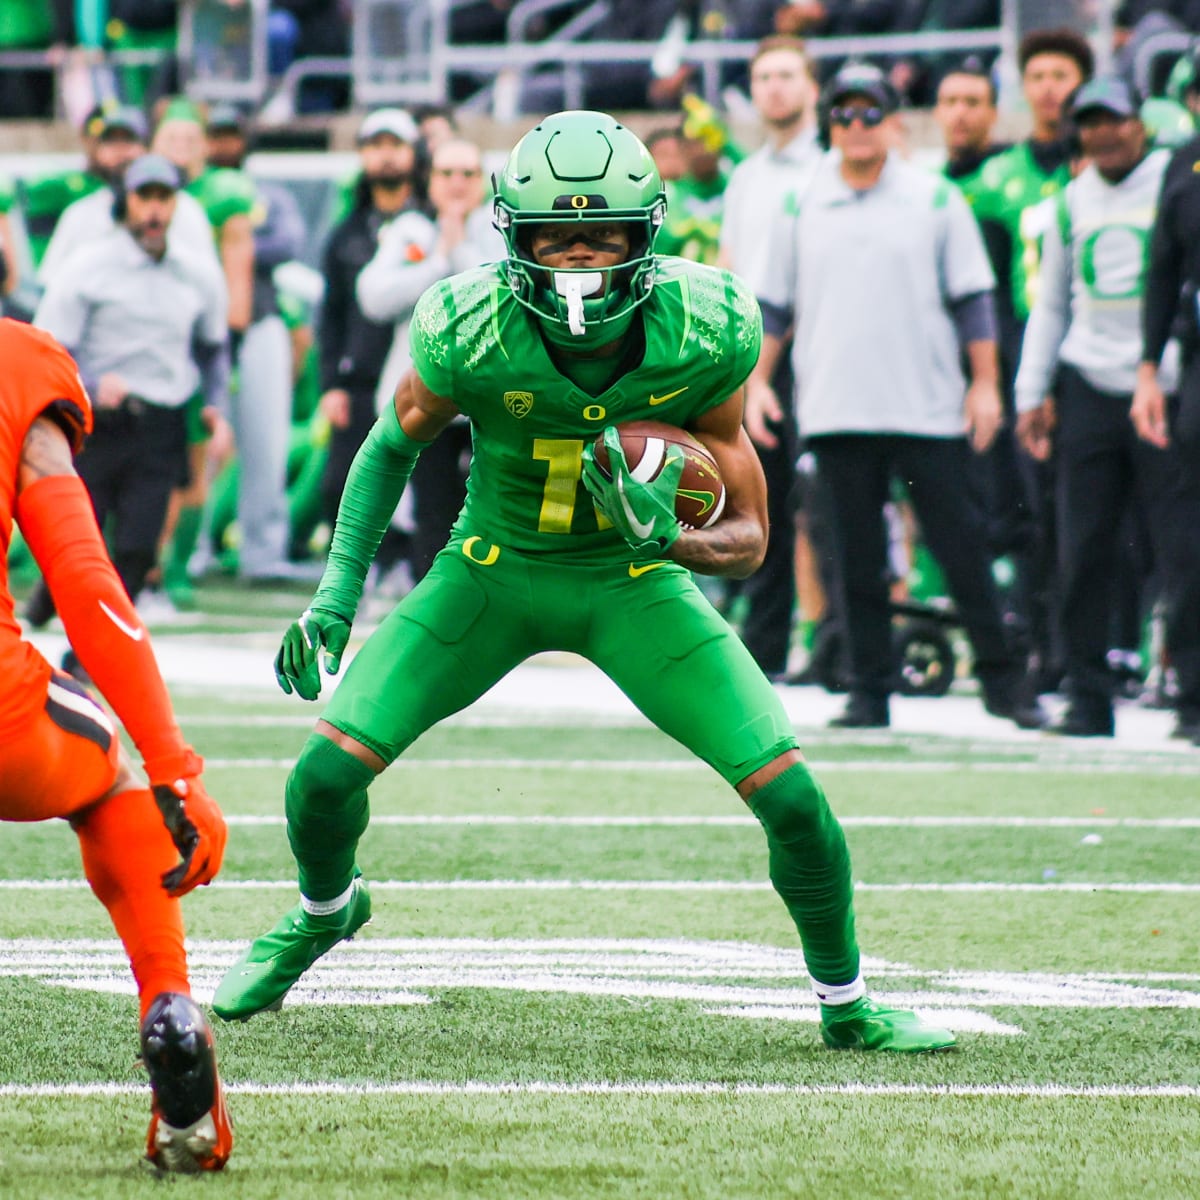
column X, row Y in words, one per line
column 586, row 167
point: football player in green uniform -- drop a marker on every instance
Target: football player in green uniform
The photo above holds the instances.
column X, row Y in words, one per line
column 581, row 328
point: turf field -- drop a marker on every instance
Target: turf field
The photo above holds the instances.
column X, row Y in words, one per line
column 578, row 983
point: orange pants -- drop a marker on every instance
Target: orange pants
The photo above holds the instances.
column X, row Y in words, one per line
column 60, row 765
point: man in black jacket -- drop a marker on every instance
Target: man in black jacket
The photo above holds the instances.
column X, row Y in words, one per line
column 353, row 349
column 1172, row 292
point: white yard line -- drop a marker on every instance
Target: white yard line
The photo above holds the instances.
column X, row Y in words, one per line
column 1049, row 1091
column 697, row 821
column 631, row 885
column 1124, row 765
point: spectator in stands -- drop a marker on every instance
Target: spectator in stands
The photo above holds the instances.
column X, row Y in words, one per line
column 915, row 77
column 612, row 84
column 354, row 348
column 1076, row 386
column 762, row 190
column 145, row 320
column 1009, row 196
column 837, row 18
column 310, row 29
column 32, row 25
column 886, row 276
column 414, row 252
column 145, row 25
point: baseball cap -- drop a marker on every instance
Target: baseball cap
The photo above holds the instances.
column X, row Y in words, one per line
column 149, row 170
column 389, row 120
column 127, row 120
column 225, row 116
column 862, row 79
column 1106, row 93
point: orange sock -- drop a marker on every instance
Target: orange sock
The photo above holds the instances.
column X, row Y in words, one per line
column 126, row 848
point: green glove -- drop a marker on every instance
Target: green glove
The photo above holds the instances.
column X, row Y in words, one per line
column 296, row 662
column 643, row 513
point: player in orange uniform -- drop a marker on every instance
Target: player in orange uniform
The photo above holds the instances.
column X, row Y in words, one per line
column 60, row 756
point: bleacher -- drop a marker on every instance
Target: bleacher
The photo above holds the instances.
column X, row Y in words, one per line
column 401, row 52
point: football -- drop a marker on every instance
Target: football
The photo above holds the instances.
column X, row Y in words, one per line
column 700, row 497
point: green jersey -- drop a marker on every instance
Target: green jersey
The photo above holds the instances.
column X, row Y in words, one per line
column 8, row 193
column 224, row 193
column 473, row 342
column 44, row 200
column 1010, row 191
column 693, row 225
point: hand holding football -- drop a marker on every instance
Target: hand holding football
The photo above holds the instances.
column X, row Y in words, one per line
column 700, row 496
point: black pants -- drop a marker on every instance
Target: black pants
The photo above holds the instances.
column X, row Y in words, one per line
column 857, row 471
column 439, row 483
column 1103, row 467
column 343, row 446
column 771, row 591
column 133, row 461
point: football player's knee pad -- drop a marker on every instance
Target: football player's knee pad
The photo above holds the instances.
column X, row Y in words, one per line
column 792, row 806
column 327, row 784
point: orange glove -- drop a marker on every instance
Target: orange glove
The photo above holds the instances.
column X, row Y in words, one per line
column 196, row 827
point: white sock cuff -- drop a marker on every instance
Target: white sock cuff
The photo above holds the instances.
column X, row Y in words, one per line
column 325, row 908
column 843, row 993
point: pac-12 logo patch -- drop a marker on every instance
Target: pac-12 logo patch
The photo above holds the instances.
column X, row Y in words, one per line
column 518, row 403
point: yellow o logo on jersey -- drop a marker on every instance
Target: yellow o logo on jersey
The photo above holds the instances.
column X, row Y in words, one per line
column 579, row 202
column 595, row 412
column 490, row 557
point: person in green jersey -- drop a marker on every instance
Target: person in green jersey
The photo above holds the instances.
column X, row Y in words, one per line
column 581, row 328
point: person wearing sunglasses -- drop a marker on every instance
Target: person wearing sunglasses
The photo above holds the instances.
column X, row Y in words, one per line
column 885, row 277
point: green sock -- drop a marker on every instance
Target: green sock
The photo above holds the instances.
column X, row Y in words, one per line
column 810, row 868
column 327, row 812
column 187, row 534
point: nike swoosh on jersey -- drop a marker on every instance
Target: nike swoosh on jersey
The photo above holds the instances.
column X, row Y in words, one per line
column 635, row 570
column 643, row 529
column 136, row 632
column 656, row 400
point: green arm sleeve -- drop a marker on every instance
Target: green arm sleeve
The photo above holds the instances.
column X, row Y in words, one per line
column 377, row 479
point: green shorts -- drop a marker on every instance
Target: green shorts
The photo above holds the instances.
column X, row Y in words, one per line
column 481, row 610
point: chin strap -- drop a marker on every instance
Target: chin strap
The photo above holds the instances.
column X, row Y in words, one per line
column 573, row 286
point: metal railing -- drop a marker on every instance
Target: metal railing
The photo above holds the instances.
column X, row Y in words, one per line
column 401, row 52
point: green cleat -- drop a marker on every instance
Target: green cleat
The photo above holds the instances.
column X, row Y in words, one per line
column 865, row 1025
column 266, row 972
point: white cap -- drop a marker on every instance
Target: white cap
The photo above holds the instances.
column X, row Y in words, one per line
column 389, row 120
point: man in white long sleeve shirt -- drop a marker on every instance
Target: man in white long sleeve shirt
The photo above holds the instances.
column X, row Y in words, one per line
column 414, row 253
column 1074, row 390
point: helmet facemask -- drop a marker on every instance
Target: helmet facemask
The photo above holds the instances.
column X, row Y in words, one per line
column 580, row 167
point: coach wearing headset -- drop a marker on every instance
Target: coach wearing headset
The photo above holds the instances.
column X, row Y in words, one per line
column 144, row 318
column 886, row 278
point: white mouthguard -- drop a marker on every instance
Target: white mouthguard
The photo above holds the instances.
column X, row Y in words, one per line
column 573, row 286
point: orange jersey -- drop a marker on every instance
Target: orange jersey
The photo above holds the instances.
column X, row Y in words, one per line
column 36, row 374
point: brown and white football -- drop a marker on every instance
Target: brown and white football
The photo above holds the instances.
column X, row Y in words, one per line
column 700, row 496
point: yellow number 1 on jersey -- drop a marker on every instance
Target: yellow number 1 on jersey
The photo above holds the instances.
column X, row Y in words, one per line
column 565, row 456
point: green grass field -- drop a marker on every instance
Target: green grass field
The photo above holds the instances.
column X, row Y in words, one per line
column 577, row 982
